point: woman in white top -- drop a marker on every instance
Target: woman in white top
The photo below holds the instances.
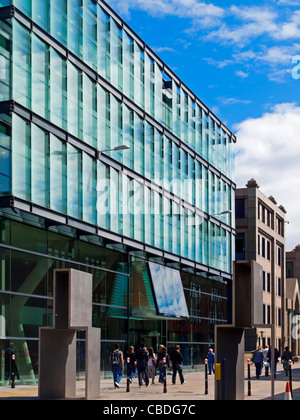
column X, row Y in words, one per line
column 152, row 364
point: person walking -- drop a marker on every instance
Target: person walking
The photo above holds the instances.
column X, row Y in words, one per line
column 152, row 364
column 131, row 364
column 285, row 358
column 258, row 361
column 142, row 357
column 117, row 365
column 163, row 362
column 211, row 361
column 266, row 363
column 177, row 361
column 275, row 361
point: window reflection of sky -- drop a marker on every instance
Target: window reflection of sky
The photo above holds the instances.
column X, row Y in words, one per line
column 168, row 291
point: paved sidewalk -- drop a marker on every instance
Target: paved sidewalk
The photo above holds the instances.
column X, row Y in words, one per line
column 193, row 389
column 261, row 388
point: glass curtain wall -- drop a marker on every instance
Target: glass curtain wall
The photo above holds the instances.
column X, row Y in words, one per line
column 55, row 88
column 97, row 39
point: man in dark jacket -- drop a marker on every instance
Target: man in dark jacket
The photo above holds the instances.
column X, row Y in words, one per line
column 276, row 356
column 285, row 358
column 177, row 359
column 142, row 357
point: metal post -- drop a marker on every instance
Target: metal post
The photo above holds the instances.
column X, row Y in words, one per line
column 273, row 318
column 290, row 376
column 206, row 377
column 249, row 379
column 165, row 375
column 128, row 385
column 128, row 379
column 165, row 385
column 13, row 371
column 272, row 364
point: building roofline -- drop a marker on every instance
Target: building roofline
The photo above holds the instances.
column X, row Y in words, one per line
column 268, row 201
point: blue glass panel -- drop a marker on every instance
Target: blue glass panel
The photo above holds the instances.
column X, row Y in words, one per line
column 21, row 176
column 4, row 3
column 21, row 65
column 75, row 27
column 24, row 6
column 5, row 65
column 41, row 13
column 5, row 159
column 58, row 20
column 40, row 166
column 90, row 33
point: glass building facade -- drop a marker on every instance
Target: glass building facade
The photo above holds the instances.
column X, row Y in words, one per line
column 75, row 84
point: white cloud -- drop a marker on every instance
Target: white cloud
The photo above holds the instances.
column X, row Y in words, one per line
column 253, row 22
column 233, row 101
column 289, row 2
column 290, row 29
column 206, row 13
column 268, row 150
column 275, row 61
column 242, row 74
column 164, row 49
column 278, row 54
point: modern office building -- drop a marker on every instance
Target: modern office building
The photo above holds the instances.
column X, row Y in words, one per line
column 260, row 225
column 111, row 165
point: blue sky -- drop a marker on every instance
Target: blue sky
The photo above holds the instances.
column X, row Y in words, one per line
column 239, row 58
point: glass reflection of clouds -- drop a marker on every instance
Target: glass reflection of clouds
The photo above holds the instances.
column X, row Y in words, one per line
column 168, row 291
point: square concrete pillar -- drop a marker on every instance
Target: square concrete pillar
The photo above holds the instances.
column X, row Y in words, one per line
column 57, row 347
column 57, row 363
column 92, row 386
column 229, row 345
column 73, row 292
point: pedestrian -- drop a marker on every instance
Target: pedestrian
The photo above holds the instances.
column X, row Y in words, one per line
column 163, row 362
column 177, row 363
column 211, row 361
column 142, row 357
column 258, row 361
column 276, row 356
column 152, row 364
column 266, row 363
column 117, row 365
column 285, row 358
column 131, row 364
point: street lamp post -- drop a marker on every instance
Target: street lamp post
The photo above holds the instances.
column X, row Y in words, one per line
column 99, row 152
column 115, row 149
column 223, row 213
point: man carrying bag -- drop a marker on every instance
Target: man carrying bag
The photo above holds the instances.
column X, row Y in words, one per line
column 117, row 365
